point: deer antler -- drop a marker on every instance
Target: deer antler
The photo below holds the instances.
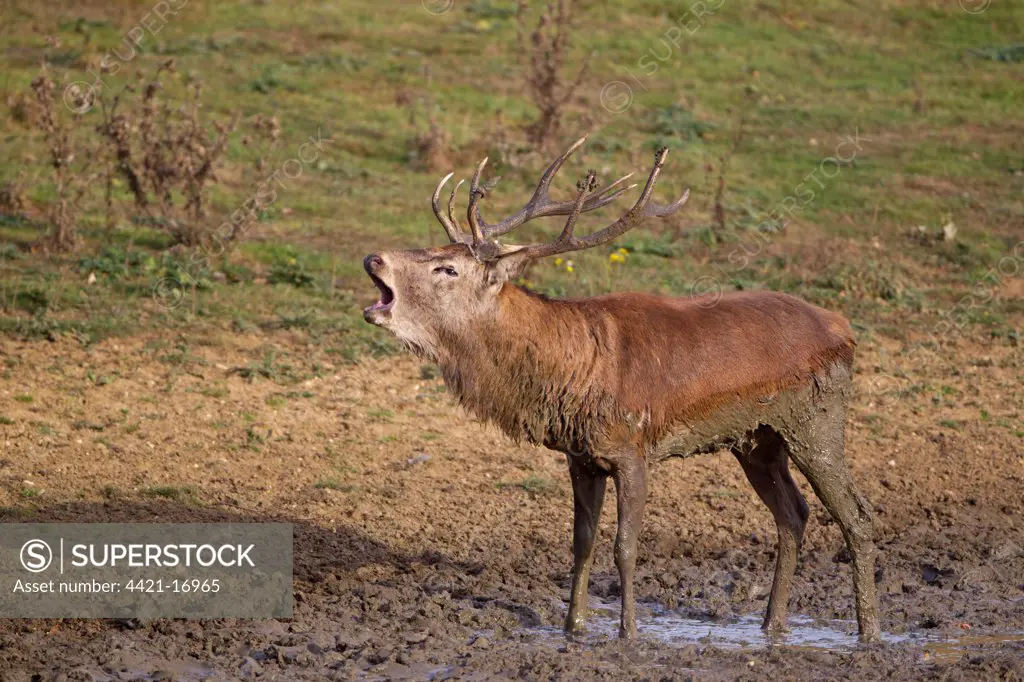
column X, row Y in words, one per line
column 482, row 234
column 472, row 212
column 641, row 210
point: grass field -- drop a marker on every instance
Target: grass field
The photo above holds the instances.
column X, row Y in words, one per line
column 874, row 165
column 931, row 93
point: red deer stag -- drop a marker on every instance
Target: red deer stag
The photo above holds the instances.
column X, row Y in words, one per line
column 622, row 381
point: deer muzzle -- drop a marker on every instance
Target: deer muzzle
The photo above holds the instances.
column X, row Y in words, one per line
column 376, row 268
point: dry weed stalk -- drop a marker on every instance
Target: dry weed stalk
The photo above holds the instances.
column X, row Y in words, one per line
column 547, row 47
column 432, row 147
column 166, row 154
column 71, row 184
column 266, row 131
column 723, row 166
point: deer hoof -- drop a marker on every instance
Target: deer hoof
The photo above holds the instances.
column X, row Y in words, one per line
column 574, row 626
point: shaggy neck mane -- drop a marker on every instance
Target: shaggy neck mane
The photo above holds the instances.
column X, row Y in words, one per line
column 531, row 370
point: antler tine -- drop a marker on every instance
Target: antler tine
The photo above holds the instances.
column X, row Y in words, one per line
column 584, row 186
column 552, row 170
column 663, row 210
column 641, row 210
column 652, row 210
column 608, row 188
column 451, row 208
column 605, row 196
column 472, row 212
column 451, row 228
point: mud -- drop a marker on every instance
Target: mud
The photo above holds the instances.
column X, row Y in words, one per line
column 429, row 547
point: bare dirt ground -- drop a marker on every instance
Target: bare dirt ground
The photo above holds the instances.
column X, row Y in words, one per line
column 428, row 546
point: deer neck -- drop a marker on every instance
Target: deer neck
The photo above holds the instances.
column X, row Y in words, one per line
column 533, row 369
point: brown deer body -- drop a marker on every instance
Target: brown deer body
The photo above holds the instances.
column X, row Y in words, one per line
column 619, row 382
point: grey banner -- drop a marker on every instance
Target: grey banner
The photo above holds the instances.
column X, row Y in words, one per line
column 145, row 570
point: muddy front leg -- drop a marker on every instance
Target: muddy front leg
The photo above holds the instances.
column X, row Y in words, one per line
column 588, row 484
column 630, row 475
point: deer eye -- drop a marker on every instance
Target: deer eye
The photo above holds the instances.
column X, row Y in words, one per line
column 447, row 269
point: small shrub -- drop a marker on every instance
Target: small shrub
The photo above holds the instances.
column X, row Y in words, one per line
column 9, row 251
column 1007, row 53
column 117, row 263
column 532, row 484
column 32, row 300
column 290, row 271
column 267, row 368
column 870, row 280
column 485, row 9
column 676, row 123
column 163, row 149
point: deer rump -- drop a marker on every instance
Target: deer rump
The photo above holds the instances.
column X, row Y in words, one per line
column 675, row 375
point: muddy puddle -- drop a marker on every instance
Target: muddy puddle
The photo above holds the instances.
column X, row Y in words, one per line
column 665, row 627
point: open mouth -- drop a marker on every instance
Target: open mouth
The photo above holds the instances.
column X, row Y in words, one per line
column 387, row 296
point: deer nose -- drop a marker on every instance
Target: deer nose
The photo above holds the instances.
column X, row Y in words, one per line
column 372, row 263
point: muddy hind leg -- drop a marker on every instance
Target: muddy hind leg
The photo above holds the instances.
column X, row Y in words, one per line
column 588, row 496
column 630, row 476
column 766, row 464
column 818, row 452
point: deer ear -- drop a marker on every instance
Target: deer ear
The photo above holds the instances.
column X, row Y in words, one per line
column 505, row 268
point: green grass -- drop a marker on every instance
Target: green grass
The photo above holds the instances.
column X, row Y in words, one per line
column 176, row 493
column 218, row 391
column 532, row 484
column 930, row 89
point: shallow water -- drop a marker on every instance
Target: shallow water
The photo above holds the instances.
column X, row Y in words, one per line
column 665, row 626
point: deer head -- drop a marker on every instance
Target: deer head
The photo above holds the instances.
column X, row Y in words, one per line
column 445, row 291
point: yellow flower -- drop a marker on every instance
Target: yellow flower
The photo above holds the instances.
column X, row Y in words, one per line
column 559, row 261
column 568, row 268
column 623, row 250
column 616, row 257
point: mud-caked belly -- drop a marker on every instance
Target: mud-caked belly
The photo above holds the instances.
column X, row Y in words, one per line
column 732, row 424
